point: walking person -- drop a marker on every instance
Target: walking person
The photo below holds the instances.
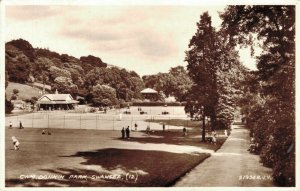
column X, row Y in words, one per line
column 21, row 126
column 184, row 131
column 135, row 126
column 214, row 137
column 127, row 133
column 148, row 130
column 225, row 132
column 164, row 127
column 123, row 133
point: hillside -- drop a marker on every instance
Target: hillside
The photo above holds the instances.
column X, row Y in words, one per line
column 76, row 76
column 25, row 91
column 98, row 82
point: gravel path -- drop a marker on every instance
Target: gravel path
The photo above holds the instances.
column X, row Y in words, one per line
column 230, row 166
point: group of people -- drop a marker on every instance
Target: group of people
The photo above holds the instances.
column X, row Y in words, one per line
column 20, row 125
column 125, row 133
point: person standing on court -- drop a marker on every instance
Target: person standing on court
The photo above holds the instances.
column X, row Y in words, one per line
column 127, row 132
column 10, row 124
column 21, row 126
column 123, row 133
column 184, row 131
column 135, row 127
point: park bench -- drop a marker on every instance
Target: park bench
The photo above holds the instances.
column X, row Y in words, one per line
column 127, row 112
column 165, row 113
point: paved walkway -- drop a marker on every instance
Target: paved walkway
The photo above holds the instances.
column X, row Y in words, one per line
column 230, row 166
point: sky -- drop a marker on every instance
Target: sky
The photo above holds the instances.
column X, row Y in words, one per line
column 145, row 39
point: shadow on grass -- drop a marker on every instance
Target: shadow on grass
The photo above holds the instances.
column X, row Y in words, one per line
column 176, row 138
column 133, row 167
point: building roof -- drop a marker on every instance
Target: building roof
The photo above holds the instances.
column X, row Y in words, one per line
column 149, row 91
column 56, row 99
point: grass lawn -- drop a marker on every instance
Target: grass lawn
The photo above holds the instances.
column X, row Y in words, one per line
column 100, row 158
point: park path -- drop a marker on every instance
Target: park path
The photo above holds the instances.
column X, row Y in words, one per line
column 231, row 166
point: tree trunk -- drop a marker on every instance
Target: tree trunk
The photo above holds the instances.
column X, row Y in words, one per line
column 203, row 128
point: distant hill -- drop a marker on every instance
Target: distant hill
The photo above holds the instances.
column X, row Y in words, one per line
column 77, row 76
column 25, row 91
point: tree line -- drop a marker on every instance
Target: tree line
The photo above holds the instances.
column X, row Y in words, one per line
column 266, row 96
column 88, row 76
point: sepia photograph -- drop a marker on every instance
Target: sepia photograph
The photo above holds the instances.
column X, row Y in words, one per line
column 165, row 94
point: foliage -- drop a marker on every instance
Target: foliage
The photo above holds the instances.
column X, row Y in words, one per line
column 66, row 73
column 104, row 95
column 175, row 83
column 89, row 62
column 8, row 106
column 271, row 115
column 127, row 85
column 202, row 68
column 25, row 47
column 65, row 85
column 15, row 91
column 215, row 70
column 17, row 64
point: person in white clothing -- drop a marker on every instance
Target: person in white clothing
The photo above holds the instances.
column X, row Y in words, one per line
column 16, row 143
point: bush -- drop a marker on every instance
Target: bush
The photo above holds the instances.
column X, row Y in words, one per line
column 125, row 104
column 275, row 134
column 8, row 106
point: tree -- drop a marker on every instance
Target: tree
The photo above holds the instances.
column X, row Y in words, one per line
column 202, row 68
column 65, row 85
column 15, row 91
column 102, row 93
column 6, row 79
column 127, row 85
column 8, row 105
column 17, row 64
column 275, row 27
column 33, row 100
column 174, row 83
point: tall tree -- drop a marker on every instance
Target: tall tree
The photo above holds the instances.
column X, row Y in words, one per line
column 275, row 28
column 202, row 68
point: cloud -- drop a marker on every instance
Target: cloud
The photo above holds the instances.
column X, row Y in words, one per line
column 134, row 37
column 141, row 32
column 154, row 45
column 32, row 12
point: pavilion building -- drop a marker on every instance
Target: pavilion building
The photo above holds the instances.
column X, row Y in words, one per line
column 56, row 102
column 150, row 94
